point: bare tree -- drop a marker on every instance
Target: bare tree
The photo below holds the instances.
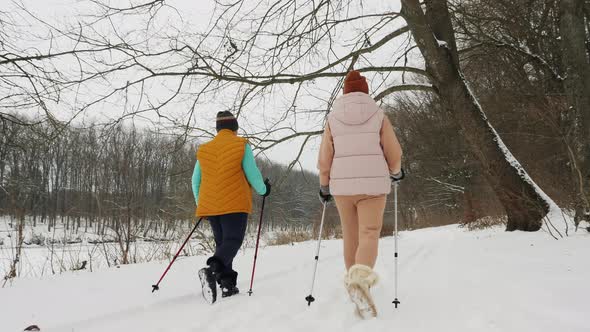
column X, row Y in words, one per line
column 525, row 204
column 246, row 56
column 574, row 38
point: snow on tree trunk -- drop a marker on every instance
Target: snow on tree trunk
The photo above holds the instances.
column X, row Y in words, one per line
column 553, row 210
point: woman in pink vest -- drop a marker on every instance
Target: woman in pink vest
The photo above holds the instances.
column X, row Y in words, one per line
column 359, row 158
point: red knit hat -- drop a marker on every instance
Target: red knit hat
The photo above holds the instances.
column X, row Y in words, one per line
column 355, row 82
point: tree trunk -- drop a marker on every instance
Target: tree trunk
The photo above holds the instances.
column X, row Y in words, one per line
column 524, row 202
column 577, row 86
column 587, row 16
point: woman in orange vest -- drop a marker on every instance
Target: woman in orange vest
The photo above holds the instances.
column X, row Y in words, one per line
column 224, row 174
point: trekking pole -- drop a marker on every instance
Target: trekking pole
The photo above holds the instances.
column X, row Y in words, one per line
column 310, row 297
column 257, row 242
column 396, row 301
column 157, row 286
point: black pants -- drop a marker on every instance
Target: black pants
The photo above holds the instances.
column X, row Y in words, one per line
column 229, row 231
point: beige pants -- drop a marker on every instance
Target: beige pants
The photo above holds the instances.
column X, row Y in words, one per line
column 361, row 217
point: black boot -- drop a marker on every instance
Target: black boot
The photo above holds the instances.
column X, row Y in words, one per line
column 209, row 276
column 227, row 282
column 208, row 285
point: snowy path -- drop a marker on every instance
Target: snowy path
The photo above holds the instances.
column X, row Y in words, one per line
column 450, row 280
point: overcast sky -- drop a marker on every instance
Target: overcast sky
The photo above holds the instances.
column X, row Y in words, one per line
column 196, row 15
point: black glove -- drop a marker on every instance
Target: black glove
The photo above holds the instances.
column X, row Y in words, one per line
column 324, row 195
column 267, row 183
column 397, row 177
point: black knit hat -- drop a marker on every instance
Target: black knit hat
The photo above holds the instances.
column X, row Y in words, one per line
column 226, row 120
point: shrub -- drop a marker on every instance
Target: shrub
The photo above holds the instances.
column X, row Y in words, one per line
column 38, row 239
column 485, row 222
column 290, row 237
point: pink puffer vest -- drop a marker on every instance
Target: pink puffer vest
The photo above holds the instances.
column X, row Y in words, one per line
column 359, row 166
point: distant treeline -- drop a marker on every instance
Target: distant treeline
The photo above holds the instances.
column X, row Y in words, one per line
column 122, row 178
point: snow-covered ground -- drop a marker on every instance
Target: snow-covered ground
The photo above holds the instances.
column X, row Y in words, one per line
column 47, row 252
column 59, row 250
column 450, row 280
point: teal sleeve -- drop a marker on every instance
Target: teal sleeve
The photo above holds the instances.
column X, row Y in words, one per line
column 196, row 181
column 252, row 172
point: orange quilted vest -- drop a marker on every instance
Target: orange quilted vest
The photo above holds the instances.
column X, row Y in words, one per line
column 224, row 187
